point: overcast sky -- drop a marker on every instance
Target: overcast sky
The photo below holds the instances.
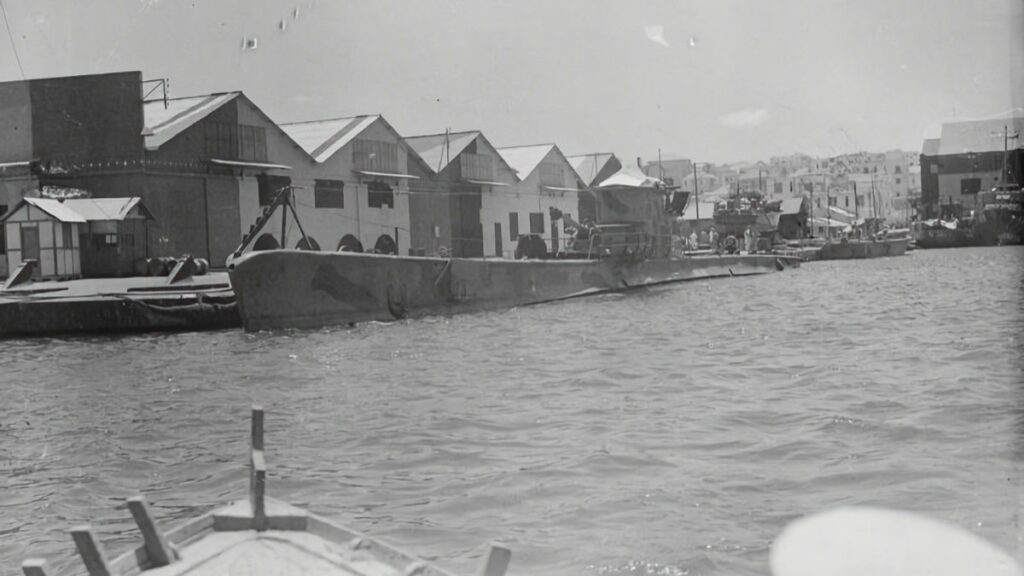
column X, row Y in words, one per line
column 710, row 80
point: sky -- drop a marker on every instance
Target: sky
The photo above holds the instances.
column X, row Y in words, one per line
column 710, row 80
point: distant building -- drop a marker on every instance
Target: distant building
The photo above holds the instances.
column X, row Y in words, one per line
column 357, row 192
column 670, row 172
column 466, row 175
column 548, row 187
column 961, row 158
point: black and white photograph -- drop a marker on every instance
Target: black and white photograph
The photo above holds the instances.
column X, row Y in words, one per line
column 512, row 287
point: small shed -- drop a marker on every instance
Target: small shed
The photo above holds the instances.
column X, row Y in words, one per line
column 793, row 214
column 79, row 237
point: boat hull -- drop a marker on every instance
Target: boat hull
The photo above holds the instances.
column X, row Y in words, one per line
column 856, row 249
column 299, row 289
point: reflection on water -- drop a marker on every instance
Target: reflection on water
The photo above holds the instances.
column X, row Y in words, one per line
column 667, row 431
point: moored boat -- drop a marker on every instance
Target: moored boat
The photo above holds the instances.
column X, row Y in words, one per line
column 858, row 249
column 630, row 248
column 300, row 289
column 254, row 536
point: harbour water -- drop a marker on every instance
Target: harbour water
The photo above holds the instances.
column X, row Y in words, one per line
column 669, row 431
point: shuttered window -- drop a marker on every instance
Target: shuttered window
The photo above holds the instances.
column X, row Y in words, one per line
column 329, row 194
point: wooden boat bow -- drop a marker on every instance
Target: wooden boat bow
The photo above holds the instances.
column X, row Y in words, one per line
column 258, row 535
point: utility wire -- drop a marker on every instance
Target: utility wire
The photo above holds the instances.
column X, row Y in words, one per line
column 10, row 36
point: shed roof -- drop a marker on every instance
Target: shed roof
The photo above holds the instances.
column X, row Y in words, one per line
column 630, row 178
column 525, row 159
column 321, row 139
column 791, row 205
column 87, row 209
column 589, row 166
column 438, row 150
column 162, row 124
column 977, row 136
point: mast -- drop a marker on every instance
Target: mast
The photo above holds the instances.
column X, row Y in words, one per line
column 696, row 193
column 828, row 208
column 812, row 208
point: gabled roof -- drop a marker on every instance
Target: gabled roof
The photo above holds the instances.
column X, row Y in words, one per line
column 524, row 159
column 589, row 166
column 83, row 210
column 630, row 178
column 321, row 139
column 438, row 150
column 162, row 124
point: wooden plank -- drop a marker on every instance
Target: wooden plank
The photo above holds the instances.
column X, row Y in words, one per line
column 257, row 490
column 89, row 549
column 192, row 529
column 497, row 561
column 34, row 567
column 158, row 550
column 257, row 427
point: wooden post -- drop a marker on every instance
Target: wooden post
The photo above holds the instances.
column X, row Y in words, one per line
column 34, row 567
column 158, row 550
column 497, row 561
column 258, row 478
column 89, row 549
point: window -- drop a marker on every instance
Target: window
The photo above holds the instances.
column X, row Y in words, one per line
column 970, row 185
column 859, row 200
column 513, row 225
column 832, row 201
column 228, row 141
column 104, row 240
column 898, row 170
column 375, row 156
column 379, row 195
column 897, row 180
column 476, row 166
column 270, row 186
column 329, row 194
column 846, row 201
column 536, row 222
column 551, row 175
column 65, row 232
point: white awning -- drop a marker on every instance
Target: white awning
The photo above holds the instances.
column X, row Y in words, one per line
column 4, row 165
column 388, row 175
column 486, row 182
column 240, row 164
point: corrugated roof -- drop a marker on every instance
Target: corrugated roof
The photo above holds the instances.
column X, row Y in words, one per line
column 162, row 124
column 437, row 150
column 588, row 166
column 321, row 139
column 87, row 209
column 524, row 159
column 57, row 209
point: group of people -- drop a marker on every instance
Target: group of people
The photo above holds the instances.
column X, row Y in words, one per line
column 728, row 244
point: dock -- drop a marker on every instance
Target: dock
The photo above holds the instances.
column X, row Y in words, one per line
column 130, row 304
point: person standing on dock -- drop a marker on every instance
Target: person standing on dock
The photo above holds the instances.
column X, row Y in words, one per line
column 713, row 240
column 748, row 239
